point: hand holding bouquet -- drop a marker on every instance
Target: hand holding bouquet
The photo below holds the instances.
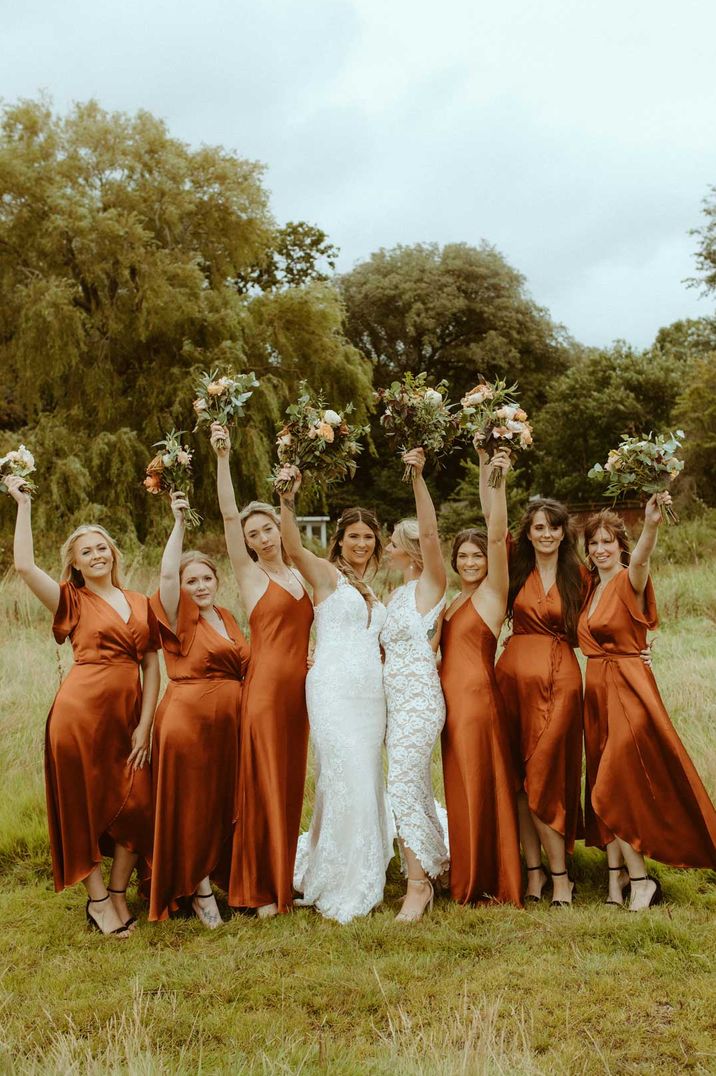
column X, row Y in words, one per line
column 417, row 415
column 222, row 399
column 493, row 418
column 646, row 464
column 170, row 472
column 19, row 463
column 317, row 440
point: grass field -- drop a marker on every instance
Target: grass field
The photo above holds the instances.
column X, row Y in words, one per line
column 490, row 990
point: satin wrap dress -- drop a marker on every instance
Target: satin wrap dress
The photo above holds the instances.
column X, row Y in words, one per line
column 195, row 753
column 93, row 798
column 641, row 784
column 541, row 686
column 273, row 752
column 479, row 775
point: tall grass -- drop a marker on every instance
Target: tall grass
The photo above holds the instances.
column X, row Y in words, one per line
column 487, row 990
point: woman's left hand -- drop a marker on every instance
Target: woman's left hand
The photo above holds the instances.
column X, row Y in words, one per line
column 139, row 755
column 502, row 460
column 652, row 512
column 415, row 458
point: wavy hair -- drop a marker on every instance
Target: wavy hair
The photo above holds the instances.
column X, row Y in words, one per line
column 348, row 518
column 469, row 534
column 69, row 573
column 570, row 583
column 615, row 527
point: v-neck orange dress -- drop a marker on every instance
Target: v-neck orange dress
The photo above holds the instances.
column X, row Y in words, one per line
column 541, row 685
column 195, row 753
column 93, row 798
column 641, row 784
column 480, row 780
column 273, row 752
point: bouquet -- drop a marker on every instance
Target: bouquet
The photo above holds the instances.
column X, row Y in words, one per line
column 647, row 464
column 417, row 416
column 493, row 418
column 222, row 399
column 317, row 440
column 20, row 462
column 170, row 472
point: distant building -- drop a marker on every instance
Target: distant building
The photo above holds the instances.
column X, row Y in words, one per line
column 315, row 528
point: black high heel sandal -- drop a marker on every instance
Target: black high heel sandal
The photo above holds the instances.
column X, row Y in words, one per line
column 624, row 888
column 132, row 919
column 94, row 925
column 657, row 897
column 563, row 903
column 530, row 896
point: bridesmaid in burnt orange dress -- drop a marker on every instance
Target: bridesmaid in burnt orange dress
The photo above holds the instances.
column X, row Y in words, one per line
column 480, row 780
column 97, row 738
column 196, row 731
column 274, row 722
column 541, row 686
column 644, row 796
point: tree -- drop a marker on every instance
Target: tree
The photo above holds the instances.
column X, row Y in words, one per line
column 695, row 411
column 454, row 311
column 706, row 253
column 121, row 256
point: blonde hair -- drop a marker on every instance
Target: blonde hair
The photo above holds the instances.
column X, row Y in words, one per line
column 194, row 556
column 406, row 537
column 261, row 508
column 69, row 573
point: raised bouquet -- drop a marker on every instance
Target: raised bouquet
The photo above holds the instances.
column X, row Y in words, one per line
column 646, row 464
column 492, row 417
column 222, row 398
column 317, row 440
column 170, row 472
column 21, row 463
column 416, row 415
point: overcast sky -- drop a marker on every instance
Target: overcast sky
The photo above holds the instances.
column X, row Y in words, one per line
column 576, row 136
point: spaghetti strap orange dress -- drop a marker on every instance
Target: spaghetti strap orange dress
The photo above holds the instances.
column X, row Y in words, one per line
column 195, row 753
column 94, row 799
column 480, row 781
column 541, row 686
column 273, row 752
column 641, row 784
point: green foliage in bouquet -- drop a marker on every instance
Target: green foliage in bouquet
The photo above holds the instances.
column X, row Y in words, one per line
column 646, row 464
column 222, row 397
column 170, row 472
column 416, row 415
column 317, row 440
column 19, row 462
column 492, row 417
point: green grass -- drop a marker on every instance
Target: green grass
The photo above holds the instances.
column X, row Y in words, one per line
column 489, row 990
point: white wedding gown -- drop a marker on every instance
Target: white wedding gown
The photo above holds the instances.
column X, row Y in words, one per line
column 342, row 858
column 416, row 715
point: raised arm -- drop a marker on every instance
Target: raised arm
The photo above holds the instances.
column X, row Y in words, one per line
column 641, row 555
column 485, row 491
column 490, row 599
column 40, row 583
column 433, row 580
column 241, row 562
column 318, row 571
column 169, row 584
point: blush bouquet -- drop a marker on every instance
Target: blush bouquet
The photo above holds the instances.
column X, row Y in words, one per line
column 492, row 417
column 170, row 472
column 222, row 398
column 416, row 415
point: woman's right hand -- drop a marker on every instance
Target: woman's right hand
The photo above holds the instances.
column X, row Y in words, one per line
column 220, row 440
column 15, row 489
column 290, row 473
column 180, row 504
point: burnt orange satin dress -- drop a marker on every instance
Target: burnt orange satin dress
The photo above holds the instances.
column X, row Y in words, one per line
column 195, row 753
column 641, row 784
column 274, row 746
column 93, row 798
column 541, row 686
column 480, row 781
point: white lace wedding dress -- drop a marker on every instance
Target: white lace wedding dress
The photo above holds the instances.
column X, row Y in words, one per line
column 342, row 858
column 416, row 715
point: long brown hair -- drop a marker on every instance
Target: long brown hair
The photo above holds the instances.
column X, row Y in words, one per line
column 348, row 518
column 469, row 534
column 569, row 571
column 615, row 527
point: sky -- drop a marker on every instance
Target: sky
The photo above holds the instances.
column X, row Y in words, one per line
column 575, row 136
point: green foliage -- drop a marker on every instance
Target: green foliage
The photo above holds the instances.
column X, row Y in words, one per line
column 696, row 411
column 121, row 256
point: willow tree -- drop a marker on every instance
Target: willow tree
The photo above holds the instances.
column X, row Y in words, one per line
column 127, row 261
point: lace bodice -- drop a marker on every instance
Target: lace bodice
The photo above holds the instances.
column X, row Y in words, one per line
column 405, row 634
column 347, row 644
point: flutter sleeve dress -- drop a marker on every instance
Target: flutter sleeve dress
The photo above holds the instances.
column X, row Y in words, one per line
column 480, row 780
column 195, row 753
column 94, row 799
column 641, row 784
column 541, row 686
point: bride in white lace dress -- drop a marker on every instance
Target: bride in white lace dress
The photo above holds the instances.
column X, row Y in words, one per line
column 342, row 859
column 416, row 708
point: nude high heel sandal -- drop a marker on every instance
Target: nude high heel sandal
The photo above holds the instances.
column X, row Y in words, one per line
column 412, row 917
